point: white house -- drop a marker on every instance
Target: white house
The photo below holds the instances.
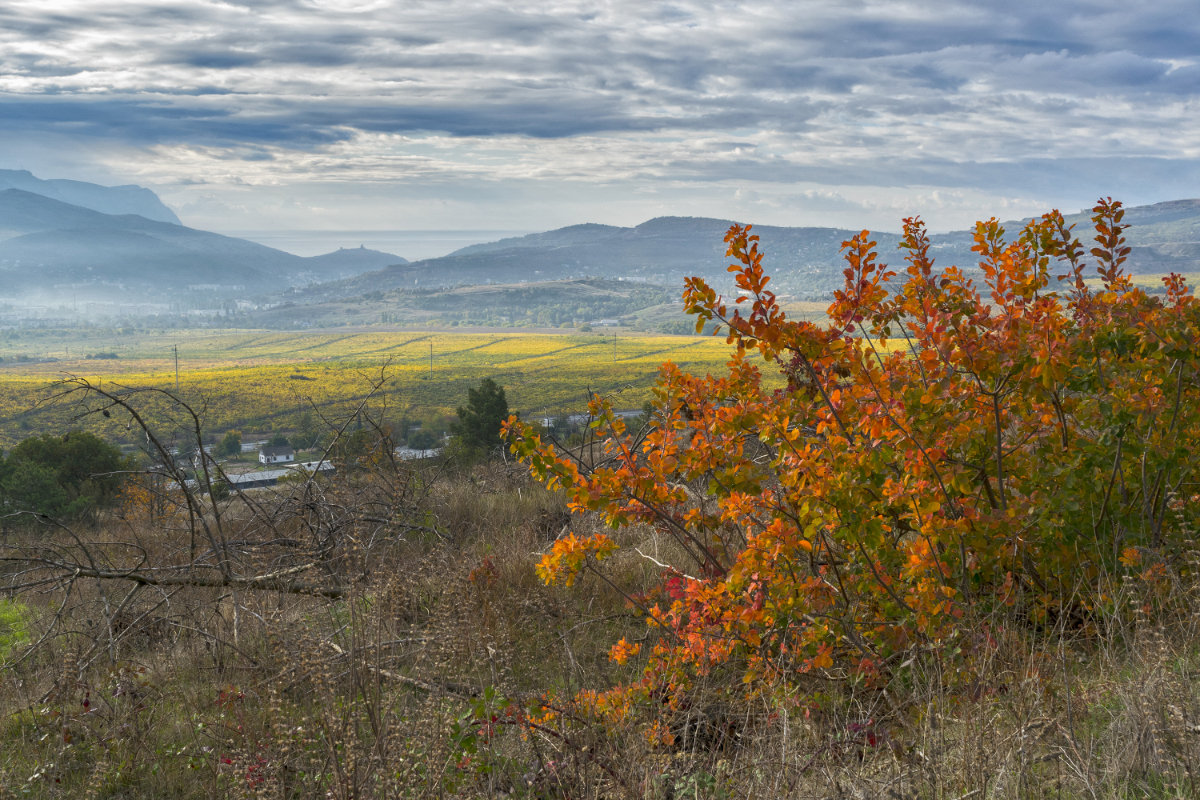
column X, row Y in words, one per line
column 276, row 454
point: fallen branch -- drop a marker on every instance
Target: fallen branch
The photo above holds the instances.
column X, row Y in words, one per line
column 275, row 581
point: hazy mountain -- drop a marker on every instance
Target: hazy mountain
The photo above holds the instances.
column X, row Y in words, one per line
column 50, row 243
column 1161, row 222
column 805, row 263
column 347, row 261
column 106, row 199
column 47, row 245
column 563, row 237
column 127, row 262
column 663, row 251
column 1164, row 237
column 1166, row 234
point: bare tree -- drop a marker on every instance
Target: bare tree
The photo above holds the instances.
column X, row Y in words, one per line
column 308, row 537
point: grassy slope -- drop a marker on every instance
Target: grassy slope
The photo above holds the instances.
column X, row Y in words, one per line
column 212, row 694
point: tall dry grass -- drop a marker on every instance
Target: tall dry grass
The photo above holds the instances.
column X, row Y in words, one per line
column 391, row 690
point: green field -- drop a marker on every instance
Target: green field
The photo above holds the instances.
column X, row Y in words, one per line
column 262, row 381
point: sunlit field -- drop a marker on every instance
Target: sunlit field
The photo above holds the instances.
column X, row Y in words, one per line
column 261, row 381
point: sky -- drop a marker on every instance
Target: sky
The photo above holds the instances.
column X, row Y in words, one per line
column 473, row 114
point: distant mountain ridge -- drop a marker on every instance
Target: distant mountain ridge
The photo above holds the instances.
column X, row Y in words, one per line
column 127, row 199
column 351, row 260
column 50, row 243
column 47, row 245
column 105, row 253
column 804, row 262
column 1164, row 237
column 663, row 251
column 570, row 235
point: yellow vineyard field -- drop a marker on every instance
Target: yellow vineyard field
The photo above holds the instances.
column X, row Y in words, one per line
column 263, row 381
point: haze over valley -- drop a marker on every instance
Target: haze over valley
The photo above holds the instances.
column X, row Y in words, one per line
column 75, row 253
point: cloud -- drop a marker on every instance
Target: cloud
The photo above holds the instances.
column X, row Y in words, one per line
column 1016, row 97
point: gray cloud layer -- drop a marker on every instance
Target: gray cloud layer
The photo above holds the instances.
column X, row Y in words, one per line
column 1013, row 97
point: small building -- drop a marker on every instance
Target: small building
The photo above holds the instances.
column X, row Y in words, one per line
column 414, row 454
column 276, row 454
column 271, row 477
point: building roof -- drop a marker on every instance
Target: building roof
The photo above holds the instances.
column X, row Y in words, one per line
column 269, row 477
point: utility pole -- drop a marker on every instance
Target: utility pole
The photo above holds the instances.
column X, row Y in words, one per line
column 430, row 359
column 176, row 347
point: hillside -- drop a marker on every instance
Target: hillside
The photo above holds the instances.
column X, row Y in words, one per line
column 106, row 199
column 347, row 261
column 806, row 263
column 536, row 304
column 124, row 264
column 47, row 245
column 50, row 243
column 1169, row 232
column 661, row 251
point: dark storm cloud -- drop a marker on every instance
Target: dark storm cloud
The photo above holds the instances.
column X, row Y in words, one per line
column 329, row 121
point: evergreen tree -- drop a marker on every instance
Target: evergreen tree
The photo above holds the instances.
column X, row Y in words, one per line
column 309, row 432
column 477, row 431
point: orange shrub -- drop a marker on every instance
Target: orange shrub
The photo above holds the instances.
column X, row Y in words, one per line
column 1033, row 430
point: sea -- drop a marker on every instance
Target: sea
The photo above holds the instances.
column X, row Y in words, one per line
column 413, row 245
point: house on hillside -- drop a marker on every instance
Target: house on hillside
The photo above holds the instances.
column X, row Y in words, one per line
column 276, row 454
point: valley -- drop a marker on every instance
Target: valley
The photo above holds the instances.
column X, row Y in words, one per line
column 267, row 381
column 344, row 502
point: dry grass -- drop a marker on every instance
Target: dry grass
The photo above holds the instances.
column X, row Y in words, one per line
column 214, row 693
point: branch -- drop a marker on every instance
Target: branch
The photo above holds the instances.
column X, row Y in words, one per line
column 276, row 581
column 666, row 567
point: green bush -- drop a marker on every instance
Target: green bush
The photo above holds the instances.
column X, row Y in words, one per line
column 64, row 477
column 13, row 626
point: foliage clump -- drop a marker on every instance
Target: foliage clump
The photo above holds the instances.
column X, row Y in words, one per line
column 13, row 626
column 951, row 447
column 476, row 433
column 230, row 445
column 66, row 477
